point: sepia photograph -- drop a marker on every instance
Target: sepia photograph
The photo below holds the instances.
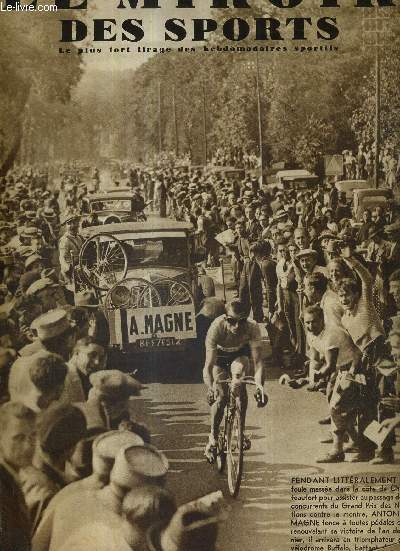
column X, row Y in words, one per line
column 199, row 275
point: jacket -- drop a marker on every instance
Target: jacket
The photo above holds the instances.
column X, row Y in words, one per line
column 15, row 528
column 74, row 514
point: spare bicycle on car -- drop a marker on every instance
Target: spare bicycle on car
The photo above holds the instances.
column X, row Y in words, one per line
column 144, row 277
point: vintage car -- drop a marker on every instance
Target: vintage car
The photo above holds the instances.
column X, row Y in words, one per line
column 111, row 207
column 143, row 273
column 228, row 172
column 348, row 186
column 369, row 199
column 116, row 190
column 296, row 180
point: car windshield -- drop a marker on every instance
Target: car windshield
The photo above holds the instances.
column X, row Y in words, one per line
column 298, row 184
column 374, row 200
column 111, row 204
column 167, row 251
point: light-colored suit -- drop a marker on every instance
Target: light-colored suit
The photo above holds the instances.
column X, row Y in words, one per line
column 71, row 518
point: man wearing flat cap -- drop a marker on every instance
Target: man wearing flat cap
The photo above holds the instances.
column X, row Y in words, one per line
column 283, row 221
column 43, row 290
column 27, row 238
column 34, row 263
column 378, row 247
column 55, row 333
column 111, row 391
column 49, row 225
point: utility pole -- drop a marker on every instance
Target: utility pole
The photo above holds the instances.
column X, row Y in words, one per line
column 160, row 144
column 377, row 112
column 374, row 27
column 260, row 131
column 175, row 122
column 205, row 124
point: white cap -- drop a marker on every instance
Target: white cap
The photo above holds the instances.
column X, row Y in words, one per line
column 143, row 461
column 108, row 445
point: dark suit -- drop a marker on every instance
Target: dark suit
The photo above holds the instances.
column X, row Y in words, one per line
column 14, row 518
column 253, row 229
column 270, row 279
column 363, row 232
column 241, row 248
column 250, row 289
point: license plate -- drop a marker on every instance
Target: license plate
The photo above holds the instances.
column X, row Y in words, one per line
column 156, row 343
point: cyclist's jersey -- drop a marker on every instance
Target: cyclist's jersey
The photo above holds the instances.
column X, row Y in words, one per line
column 225, row 359
column 219, row 337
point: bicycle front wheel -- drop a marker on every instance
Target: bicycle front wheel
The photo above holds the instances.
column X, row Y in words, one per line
column 234, row 456
column 221, row 444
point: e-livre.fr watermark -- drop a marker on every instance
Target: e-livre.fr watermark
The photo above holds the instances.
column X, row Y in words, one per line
column 34, row 6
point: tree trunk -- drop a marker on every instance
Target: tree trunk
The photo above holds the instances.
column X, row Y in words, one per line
column 12, row 154
column 9, row 160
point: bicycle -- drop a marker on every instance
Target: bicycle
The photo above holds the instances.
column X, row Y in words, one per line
column 231, row 442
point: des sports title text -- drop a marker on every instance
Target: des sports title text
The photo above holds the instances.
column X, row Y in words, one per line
column 177, row 29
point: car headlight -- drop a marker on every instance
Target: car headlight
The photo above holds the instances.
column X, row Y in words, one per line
column 120, row 296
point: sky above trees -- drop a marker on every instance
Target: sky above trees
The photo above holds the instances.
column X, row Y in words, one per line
column 312, row 102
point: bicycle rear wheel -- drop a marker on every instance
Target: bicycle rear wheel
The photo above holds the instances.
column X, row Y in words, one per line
column 234, row 455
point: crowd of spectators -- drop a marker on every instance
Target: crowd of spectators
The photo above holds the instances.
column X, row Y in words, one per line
column 360, row 165
column 322, row 281
column 77, row 469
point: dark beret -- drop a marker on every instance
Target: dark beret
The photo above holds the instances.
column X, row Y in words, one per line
column 61, row 426
column 27, row 279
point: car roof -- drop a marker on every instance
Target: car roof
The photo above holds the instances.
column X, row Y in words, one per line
column 300, row 173
column 108, row 196
column 373, row 191
column 121, row 190
column 351, row 182
column 226, row 169
column 349, row 185
column 150, row 225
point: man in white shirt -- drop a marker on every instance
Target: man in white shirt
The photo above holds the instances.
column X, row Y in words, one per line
column 332, row 351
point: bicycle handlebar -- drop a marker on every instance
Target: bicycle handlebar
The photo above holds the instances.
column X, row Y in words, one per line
column 246, row 380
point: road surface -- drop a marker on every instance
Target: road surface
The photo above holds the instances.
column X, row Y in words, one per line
column 285, row 442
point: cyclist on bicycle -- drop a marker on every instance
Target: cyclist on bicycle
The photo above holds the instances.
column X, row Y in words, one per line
column 230, row 338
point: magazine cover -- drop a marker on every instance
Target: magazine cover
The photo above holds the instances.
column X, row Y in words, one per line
column 200, row 275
